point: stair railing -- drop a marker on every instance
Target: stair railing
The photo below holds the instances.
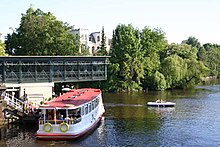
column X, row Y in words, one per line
column 16, row 103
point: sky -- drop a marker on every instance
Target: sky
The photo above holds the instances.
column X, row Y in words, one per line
column 179, row 19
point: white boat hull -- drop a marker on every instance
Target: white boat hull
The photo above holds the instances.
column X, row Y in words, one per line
column 163, row 104
column 68, row 136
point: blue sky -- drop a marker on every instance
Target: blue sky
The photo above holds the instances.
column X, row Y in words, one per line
column 179, row 19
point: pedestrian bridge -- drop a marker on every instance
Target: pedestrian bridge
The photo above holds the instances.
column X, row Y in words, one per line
column 40, row 69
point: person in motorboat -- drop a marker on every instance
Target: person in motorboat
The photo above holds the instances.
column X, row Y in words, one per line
column 158, row 101
column 163, row 101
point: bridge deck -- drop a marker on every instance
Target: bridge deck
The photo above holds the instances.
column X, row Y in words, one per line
column 27, row 69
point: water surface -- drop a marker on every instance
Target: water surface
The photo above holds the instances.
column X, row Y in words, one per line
column 194, row 121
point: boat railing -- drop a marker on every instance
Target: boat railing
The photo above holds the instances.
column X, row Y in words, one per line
column 52, row 121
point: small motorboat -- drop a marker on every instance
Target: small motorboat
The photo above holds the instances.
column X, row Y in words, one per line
column 161, row 104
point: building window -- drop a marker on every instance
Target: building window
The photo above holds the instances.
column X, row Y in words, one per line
column 98, row 38
column 82, row 37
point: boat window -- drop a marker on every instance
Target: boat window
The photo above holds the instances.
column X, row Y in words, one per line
column 92, row 105
column 74, row 116
column 47, row 115
column 86, row 109
column 60, row 115
column 82, row 110
column 50, row 115
column 96, row 102
column 89, row 107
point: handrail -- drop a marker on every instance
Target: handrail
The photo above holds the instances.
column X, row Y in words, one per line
column 12, row 101
column 16, row 103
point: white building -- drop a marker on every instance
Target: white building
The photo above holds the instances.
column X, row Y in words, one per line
column 91, row 40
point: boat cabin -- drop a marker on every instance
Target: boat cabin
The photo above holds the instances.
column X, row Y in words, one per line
column 68, row 113
column 57, row 116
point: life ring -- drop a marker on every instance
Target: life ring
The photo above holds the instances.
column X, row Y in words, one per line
column 48, row 127
column 64, row 127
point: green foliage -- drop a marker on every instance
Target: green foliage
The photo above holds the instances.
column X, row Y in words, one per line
column 202, row 55
column 174, row 70
column 193, row 42
column 195, row 71
column 180, row 67
column 153, row 43
column 211, row 59
column 84, row 50
column 145, row 60
column 126, row 51
column 102, row 51
column 2, row 49
column 182, row 50
column 159, row 81
column 42, row 34
column 113, row 79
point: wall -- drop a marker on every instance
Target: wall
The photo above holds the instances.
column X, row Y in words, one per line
column 36, row 92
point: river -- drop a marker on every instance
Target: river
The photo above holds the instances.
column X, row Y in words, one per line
column 194, row 121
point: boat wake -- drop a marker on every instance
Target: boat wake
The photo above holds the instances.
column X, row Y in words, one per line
column 122, row 105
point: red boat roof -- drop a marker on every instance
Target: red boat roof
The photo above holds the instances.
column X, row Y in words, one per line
column 73, row 98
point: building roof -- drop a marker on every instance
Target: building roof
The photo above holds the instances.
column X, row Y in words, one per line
column 72, row 99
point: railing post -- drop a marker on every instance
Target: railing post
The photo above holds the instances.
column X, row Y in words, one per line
column 24, row 100
column 16, row 104
column 12, row 98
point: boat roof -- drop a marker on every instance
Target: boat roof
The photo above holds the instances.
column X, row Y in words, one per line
column 72, row 99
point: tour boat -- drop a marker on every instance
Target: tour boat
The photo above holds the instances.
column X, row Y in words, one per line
column 161, row 104
column 71, row 115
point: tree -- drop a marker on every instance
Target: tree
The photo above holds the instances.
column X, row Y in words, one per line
column 181, row 68
column 126, row 51
column 153, row 43
column 84, row 50
column 42, row 34
column 182, row 50
column 212, row 61
column 102, row 51
column 195, row 71
column 209, row 54
column 193, row 42
column 159, row 81
column 174, row 69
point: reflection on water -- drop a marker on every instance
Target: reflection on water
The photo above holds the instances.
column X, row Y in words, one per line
column 16, row 135
column 128, row 121
column 123, row 105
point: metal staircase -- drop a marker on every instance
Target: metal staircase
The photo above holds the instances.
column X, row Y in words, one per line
column 16, row 108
